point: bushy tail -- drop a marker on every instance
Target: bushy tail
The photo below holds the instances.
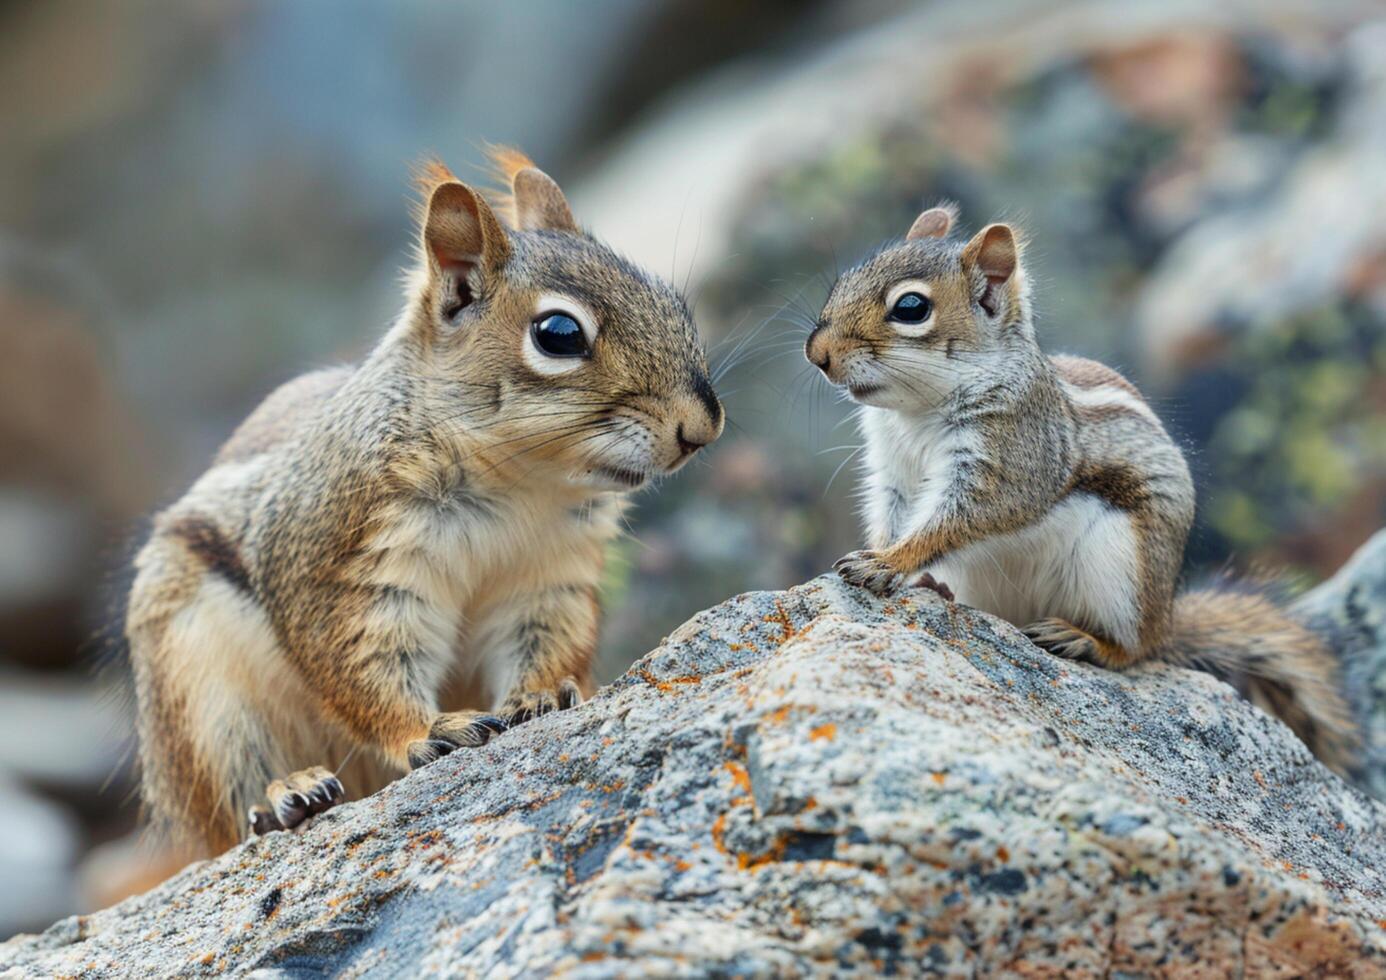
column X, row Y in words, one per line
column 1242, row 636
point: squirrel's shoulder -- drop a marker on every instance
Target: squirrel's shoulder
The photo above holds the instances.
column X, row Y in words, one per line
column 278, row 417
column 1080, row 372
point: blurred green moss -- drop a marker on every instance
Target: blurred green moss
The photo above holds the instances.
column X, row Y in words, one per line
column 1308, row 430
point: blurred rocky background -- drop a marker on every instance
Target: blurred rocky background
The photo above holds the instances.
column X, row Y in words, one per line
column 198, row 201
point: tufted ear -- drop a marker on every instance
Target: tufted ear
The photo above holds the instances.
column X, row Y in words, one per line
column 461, row 233
column 994, row 252
column 933, row 223
column 534, row 201
column 460, row 236
column 539, row 203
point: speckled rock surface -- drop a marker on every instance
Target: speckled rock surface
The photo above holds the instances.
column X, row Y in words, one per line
column 1351, row 610
column 813, row 781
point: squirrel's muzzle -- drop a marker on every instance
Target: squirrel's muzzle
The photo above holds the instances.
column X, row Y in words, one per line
column 818, row 351
column 699, row 418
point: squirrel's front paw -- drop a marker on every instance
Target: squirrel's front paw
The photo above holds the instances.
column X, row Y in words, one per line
column 869, row 570
column 452, row 730
column 295, row 798
column 523, row 706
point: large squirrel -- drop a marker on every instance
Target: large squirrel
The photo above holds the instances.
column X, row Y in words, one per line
column 1041, row 489
column 392, row 560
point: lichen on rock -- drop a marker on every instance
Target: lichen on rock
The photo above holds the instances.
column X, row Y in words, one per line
column 819, row 781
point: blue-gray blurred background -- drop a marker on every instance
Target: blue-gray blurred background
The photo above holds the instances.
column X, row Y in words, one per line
column 199, row 200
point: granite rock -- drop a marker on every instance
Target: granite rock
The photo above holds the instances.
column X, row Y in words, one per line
column 811, row 781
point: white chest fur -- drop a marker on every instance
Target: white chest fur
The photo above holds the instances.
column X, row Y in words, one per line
column 461, row 554
column 908, row 462
column 1081, row 562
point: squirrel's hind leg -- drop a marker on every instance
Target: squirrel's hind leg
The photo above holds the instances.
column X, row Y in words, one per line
column 204, row 656
column 1063, row 639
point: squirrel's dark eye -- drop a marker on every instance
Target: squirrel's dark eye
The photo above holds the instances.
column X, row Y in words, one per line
column 911, row 308
column 559, row 335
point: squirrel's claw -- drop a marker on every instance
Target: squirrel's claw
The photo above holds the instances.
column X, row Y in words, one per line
column 425, row 750
column 868, row 570
column 927, row 581
column 1062, row 639
column 297, row 797
column 262, row 821
column 454, row 730
column 523, row 706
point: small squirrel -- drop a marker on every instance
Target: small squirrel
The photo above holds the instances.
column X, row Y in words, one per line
column 390, row 561
column 1041, row 489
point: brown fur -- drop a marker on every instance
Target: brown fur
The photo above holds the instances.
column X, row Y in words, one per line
column 1277, row 663
column 207, row 544
column 1042, row 489
column 383, row 555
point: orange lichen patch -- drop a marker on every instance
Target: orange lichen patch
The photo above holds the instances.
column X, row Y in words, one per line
column 669, row 685
column 719, row 827
column 593, row 956
column 333, row 903
column 938, row 777
column 739, row 775
column 779, row 714
column 827, row 731
column 782, row 620
column 427, row 838
column 1002, row 854
column 749, row 862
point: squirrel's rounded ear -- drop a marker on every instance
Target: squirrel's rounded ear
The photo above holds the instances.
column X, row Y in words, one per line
column 994, row 252
column 460, row 232
column 933, row 223
column 539, row 203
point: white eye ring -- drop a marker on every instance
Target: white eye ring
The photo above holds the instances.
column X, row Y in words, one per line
column 901, row 289
column 541, row 363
